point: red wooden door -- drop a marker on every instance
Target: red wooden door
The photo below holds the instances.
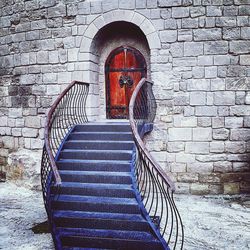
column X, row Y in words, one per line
column 124, row 69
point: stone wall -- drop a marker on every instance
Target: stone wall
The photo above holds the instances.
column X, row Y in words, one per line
column 200, row 63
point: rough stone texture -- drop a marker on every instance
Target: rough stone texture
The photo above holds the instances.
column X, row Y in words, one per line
column 199, row 62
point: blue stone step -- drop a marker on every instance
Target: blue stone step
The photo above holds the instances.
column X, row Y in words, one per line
column 118, row 234
column 111, row 243
column 98, row 145
column 94, row 165
column 103, row 127
column 96, row 154
column 97, row 136
column 93, row 189
column 107, row 221
column 96, row 177
column 95, row 204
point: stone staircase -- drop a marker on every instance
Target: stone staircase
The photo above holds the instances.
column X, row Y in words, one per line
column 97, row 205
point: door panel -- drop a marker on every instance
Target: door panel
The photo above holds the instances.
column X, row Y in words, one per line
column 124, row 69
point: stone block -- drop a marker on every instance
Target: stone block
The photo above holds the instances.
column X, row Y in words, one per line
column 187, row 177
column 36, row 143
column 207, row 34
column 15, row 112
column 178, row 167
column 185, row 35
column 204, row 121
column 222, row 166
column 198, row 84
column 199, row 189
column 57, row 11
column 211, row 72
column 202, row 134
column 197, row 98
column 226, row 21
column 32, row 122
column 42, row 57
column 211, row 178
column 185, row 62
column 218, row 122
column 174, row 147
column 37, row 25
column 233, row 122
column 193, row 48
column 189, row 23
column 170, row 24
column 240, row 166
column 182, row 121
column 214, row 11
column 180, row 134
column 244, row 10
column 198, row 72
column 240, row 134
column 29, row 132
column 168, row 36
column 220, row 134
column 231, row 188
column 239, row 47
column 216, row 147
column 224, row 98
column 197, row 11
column 181, row 99
column 206, row 111
column 180, row 12
column 235, row 147
column 197, row 147
column 108, row 5
column 205, row 60
column 245, row 59
column 127, row 4
column 216, row 47
column 169, row 3
column 185, row 158
column 240, row 110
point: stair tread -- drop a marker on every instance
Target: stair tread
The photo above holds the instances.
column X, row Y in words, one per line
column 113, row 151
column 94, row 161
column 100, row 132
column 97, row 186
column 118, row 234
column 95, row 173
column 94, row 199
column 99, row 141
column 98, row 215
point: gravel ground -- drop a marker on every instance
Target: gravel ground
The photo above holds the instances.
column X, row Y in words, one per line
column 216, row 222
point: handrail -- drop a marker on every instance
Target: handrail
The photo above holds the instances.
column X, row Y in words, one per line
column 155, row 187
column 68, row 110
column 138, row 138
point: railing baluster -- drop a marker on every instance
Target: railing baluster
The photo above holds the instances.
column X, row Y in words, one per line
column 68, row 110
column 155, row 186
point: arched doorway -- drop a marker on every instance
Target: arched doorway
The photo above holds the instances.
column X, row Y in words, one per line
column 124, row 68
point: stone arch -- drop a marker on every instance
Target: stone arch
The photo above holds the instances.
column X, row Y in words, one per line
column 87, row 68
column 120, row 15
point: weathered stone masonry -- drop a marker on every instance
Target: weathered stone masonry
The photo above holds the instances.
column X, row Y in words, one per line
column 199, row 61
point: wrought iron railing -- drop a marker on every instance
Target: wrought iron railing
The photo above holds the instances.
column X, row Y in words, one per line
column 155, row 187
column 69, row 109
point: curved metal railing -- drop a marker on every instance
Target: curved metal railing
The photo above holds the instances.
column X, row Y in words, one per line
column 67, row 110
column 155, row 187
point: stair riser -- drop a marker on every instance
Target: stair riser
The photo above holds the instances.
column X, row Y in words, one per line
column 120, row 193
column 110, row 243
column 95, row 155
column 112, row 167
column 102, row 128
column 98, row 145
column 96, row 207
column 97, row 179
column 98, row 137
column 102, row 224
